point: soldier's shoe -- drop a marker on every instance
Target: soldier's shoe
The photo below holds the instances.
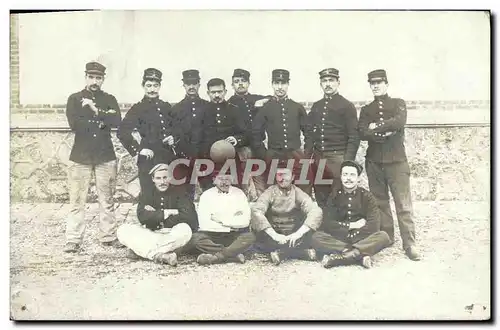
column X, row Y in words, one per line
column 114, row 243
column 367, row 262
column 166, row 258
column 275, row 257
column 335, row 259
column 352, row 254
column 207, row 259
column 71, row 247
column 412, row 253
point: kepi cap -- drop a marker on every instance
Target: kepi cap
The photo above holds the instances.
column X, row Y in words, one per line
column 329, row 72
column 152, row 74
column 280, row 75
column 377, row 75
column 96, row 68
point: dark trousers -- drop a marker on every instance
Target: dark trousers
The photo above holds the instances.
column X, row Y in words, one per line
column 326, row 243
column 225, row 245
column 265, row 244
column 396, row 177
column 331, row 172
column 285, row 155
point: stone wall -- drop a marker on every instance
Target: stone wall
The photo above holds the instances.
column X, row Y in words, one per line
column 447, row 163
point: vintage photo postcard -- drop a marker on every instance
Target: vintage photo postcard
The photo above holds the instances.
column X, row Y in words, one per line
column 250, row 165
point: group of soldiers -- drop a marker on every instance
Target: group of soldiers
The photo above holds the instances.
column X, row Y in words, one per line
column 347, row 224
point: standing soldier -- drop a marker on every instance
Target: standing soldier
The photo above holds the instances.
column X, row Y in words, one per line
column 91, row 114
column 248, row 105
column 219, row 121
column 283, row 119
column 334, row 132
column 152, row 118
column 382, row 123
column 186, row 114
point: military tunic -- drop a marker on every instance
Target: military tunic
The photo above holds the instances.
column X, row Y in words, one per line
column 386, row 165
column 187, row 114
column 247, row 109
column 169, row 199
column 283, row 120
column 152, row 118
column 92, row 132
column 342, row 209
column 333, row 137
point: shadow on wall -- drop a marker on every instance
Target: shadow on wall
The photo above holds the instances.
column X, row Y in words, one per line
column 446, row 164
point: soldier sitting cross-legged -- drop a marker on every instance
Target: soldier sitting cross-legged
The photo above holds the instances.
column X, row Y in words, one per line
column 350, row 230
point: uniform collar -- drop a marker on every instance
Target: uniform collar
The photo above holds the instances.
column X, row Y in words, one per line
column 191, row 98
column 222, row 104
column 146, row 99
column 341, row 191
column 282, row 100
column 242, row 96
column 384, row 97
column 328, row 97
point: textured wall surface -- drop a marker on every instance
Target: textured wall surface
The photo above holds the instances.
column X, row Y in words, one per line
column 446, row 164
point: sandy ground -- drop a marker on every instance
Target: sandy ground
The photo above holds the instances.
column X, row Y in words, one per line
column 101, row 283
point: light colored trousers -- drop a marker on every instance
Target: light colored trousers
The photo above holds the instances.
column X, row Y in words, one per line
column 147, row 243
column 256, row 184
column 79, row 181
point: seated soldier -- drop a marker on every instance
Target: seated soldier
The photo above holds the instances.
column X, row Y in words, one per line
column 167, row 220
column 284, row 218
column 350, row 232
column 224, row 217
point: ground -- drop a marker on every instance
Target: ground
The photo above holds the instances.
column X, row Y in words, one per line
column 101, row 283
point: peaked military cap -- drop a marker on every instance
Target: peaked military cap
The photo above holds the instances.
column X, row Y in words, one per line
column 330, row 72
column 280, row 75
column 190, row 75
column 377, row 75
column 152, row 74
column 96, row 68
column 241, row 73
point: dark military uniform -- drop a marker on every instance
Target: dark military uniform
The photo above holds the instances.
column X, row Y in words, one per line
column 169, row 199
column 187, row 114
column 386, row 163
column 92, row 152
column 217, row 122
column 247, row 112
column 152, row 118
column 342, row 208
column 92, row 132
column 283, row 120
column 333, row 136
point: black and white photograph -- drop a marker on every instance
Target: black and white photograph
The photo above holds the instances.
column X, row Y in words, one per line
column 250, row 165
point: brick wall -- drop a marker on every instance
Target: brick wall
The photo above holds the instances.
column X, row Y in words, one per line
column 14, row 61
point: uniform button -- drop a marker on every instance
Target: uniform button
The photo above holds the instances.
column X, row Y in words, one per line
column 158, row 109
column 286, row 140
column 95, row 135
column 349, row 205
column 380, row 113
column 192, row 103
column 164, row 135
column 322, row 135
column 194, row 115
column 161, row 115
column 218, row 109
column 286, row 146
column 380, row 107
column 324, row 113
column 282, row 104
column 380, row 102
column 325, row 108
column 162, row 122
column 381, row 119
column 284, row 129
column 323, row 118
column 349, row 212
column 218, row 121
column 218, row 115
column 248, row 106
column 350, row 198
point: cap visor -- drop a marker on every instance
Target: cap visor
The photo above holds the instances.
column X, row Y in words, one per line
column 95, row 72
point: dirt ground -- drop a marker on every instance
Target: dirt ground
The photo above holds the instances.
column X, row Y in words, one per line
column 101, row 283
